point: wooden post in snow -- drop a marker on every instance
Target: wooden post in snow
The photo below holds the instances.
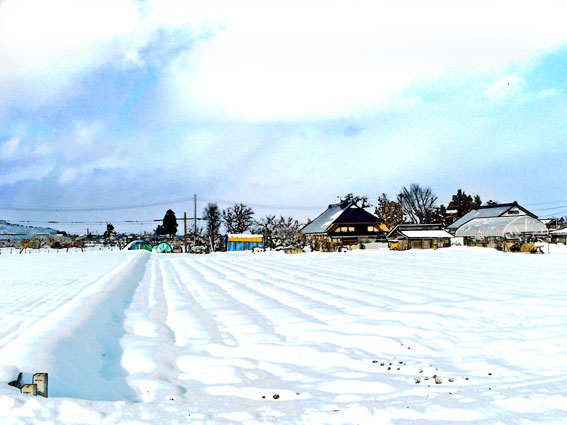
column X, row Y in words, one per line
column 185, row 226
column 40, row 380
column 30, row 389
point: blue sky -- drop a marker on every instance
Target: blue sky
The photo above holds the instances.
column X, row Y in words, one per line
column 281, row 105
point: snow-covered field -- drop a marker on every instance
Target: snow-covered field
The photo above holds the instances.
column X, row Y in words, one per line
column 342, row 338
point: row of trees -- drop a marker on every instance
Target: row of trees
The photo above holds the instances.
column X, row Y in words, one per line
column 417, row 204
column 239, row 218
column 414, row 204
column 277, row 231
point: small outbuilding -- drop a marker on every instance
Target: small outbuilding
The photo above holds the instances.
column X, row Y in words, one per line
column 418, row 236
column 140, row 244
column 559, row 236
column 163, row 247
column 243, row 242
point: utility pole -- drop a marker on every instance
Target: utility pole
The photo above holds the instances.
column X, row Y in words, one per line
column 185, row 226
column 195, row 220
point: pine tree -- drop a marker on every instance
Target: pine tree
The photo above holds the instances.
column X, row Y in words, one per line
column 169, row 226
column 389, row 211
column 211, row 214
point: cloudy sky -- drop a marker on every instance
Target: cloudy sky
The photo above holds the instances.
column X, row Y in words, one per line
column 279, row 104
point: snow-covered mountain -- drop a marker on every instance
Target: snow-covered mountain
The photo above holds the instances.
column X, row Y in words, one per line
column 20, row 231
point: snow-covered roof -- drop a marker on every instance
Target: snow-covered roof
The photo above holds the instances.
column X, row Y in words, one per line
column 325, row 219
column 346, row 212
column 426, row 234
column 502, row 226
column 495, row 211
column 559, row 232
column 243, row 235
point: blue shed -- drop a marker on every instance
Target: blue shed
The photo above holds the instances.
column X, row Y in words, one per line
column 242, row 242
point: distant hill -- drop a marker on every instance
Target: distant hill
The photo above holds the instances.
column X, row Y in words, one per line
column 17, row 231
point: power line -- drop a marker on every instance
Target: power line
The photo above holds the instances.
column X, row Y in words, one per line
column 104, row 208
column 550, row 208
column 151, row 204
column 97, row 222
column 545, row 203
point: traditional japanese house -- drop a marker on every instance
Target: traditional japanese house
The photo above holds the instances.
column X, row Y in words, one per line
column 344, row 224
column 418, row 236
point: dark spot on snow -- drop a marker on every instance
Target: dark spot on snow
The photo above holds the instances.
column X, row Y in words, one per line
column 276, row 396
column 489, row 374
column 263, row 396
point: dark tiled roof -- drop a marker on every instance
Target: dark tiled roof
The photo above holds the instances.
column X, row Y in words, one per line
column 340, row 214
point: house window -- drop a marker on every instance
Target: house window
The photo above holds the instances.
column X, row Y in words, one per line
column 372, row 228
column 345, row 229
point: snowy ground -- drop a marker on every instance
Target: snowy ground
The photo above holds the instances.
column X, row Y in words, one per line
column 140, row 338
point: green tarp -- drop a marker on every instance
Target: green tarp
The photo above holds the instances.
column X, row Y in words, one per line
column 162, row 247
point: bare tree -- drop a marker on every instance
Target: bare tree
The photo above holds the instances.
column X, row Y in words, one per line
column 287, row 232
column 361, row 201
column 418, row 203
column 267, row 227
column 238, row 218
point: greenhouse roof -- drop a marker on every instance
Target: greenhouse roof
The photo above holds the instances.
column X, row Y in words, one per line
column 485, row 212
column 502, row 226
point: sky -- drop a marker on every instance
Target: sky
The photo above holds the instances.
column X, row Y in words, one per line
column 126, row 108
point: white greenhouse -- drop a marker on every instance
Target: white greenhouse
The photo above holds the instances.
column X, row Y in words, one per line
column 502, row 227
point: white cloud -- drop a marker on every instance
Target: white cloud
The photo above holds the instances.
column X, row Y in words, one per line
column 9, row 149
column 512, row 88
column 46, row 45
column 506, row 88
column 270, row 60
column 310, row 59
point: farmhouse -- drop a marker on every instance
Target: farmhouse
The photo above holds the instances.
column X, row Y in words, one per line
column 418, row 236
column 344, row 224
column 486, row 226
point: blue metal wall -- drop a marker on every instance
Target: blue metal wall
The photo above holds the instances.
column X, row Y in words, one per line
column 241, row 246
